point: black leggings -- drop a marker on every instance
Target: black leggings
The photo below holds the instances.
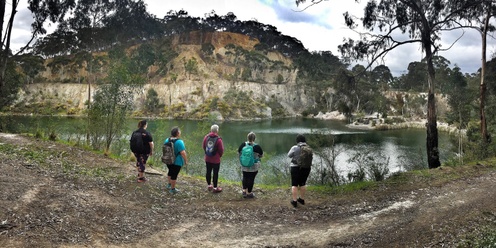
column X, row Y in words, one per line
column 141, row 161
column 208, row 176
column 249, row 180
column 173, row 171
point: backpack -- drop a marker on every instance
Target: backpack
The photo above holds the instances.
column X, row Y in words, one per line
column 168, row 154
column 247, row 158
column 306, row 156
column 136, row 142
column 210, row 148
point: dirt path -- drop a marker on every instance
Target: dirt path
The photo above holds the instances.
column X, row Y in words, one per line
column 61, row 196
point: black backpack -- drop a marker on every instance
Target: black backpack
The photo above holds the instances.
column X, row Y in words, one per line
column 210, row 147
column 136, row 142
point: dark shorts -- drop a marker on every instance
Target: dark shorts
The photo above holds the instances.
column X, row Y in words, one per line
column 173, row 171
column 299, row 176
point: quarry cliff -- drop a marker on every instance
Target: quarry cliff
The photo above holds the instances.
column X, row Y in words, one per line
column 205, row 67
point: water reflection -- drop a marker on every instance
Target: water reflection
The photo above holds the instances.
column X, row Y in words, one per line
column 404, row 148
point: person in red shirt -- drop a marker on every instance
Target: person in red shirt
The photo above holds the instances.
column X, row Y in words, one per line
column 214, row 149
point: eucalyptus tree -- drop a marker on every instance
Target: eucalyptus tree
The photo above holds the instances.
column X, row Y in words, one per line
column 416, row 77
column 31, row 65
column 88, row 23
column 42, row 11
column 490, row 76
column 443, row 72
column 63, row 41
column 318, row 71
column 382, row 77
column 460, row 98
column 178, row 22
column 131, row 23
column 384, row 25
column 478, row 15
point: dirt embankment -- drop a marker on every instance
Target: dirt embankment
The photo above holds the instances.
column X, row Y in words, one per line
column 55, row 195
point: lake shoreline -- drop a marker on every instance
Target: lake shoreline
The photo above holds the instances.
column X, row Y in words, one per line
column 371, row 125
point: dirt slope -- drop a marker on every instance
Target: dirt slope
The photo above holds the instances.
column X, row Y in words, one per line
column 61, row 196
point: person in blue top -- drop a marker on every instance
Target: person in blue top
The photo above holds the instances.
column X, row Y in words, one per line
column 181, row 159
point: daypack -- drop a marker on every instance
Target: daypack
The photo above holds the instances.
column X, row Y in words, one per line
column 247, row 158
column 306, row 156
column 210, row 148
column 136, row 142
column 168, row 154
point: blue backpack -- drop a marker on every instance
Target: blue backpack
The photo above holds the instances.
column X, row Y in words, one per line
column 247, row 156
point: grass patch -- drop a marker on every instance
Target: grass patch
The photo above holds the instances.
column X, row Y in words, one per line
column 482, row 237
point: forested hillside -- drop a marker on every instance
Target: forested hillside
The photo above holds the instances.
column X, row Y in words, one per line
column 190, row 67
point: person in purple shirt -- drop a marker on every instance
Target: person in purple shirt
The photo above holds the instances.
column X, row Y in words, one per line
column 214, row 148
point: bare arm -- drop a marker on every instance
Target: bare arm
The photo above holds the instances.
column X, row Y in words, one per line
column 151, row 147
column 183, row 154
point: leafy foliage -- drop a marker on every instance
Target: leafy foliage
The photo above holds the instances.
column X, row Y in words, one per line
column 112, row 102
column 374, row 167
column 13, row 82
column 152, row 102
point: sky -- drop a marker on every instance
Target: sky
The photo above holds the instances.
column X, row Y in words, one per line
column 320, row 28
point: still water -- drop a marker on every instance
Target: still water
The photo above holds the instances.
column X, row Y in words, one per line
column 402, row 148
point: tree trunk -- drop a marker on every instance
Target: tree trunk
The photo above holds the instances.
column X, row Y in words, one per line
column 432, row 134
column 5, row 42
column 483, row 87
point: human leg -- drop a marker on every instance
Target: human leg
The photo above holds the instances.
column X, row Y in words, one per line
column 208, row 175
column 300, row 199
column 294, row 182
column 251, row 181
column 304, row 173
column 169, row 177
column 216, row 168
column 244, row 182
column 294, row 185
column 140, row 166
column 174, row 172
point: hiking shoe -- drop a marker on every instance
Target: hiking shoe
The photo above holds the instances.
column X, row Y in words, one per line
column 169, row 186
column 301, row 201
column 173, row 191
column 294, row 203
column 210, row 187
column 244, row 194
column 250, row 195
column 217, row 190
column 142, row 179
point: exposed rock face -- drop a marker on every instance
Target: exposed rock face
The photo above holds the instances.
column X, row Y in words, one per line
column 222, row 64
column 268, row 76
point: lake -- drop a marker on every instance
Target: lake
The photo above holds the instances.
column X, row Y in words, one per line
column 404, row 149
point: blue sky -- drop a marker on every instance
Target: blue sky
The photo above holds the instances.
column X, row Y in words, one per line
column 320, row 27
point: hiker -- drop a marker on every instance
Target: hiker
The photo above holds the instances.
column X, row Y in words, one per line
column 249, row 155
column 179, row 161
column 299, row 174
column 142, row 148
column 214, row 148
